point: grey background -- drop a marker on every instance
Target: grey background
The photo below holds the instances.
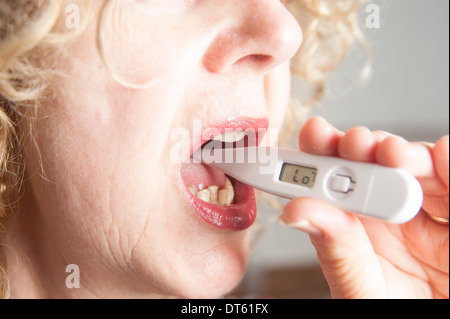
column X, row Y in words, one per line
column 407, row 94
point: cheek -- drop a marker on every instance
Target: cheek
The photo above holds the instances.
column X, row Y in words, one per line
column 133, row 44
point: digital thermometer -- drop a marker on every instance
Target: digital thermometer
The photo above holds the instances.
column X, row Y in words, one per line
column 366, row 189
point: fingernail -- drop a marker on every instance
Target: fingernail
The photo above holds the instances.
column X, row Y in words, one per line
column 302, row 225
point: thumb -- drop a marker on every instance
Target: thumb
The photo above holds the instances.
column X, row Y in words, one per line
column 344, row 250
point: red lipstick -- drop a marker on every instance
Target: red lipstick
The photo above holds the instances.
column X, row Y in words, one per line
column 241, row 213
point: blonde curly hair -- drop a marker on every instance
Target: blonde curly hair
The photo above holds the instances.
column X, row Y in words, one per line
column 27, row 32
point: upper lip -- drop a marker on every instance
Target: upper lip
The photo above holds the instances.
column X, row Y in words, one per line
column 246, row 124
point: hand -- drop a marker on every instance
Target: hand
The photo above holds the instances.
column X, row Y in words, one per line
column 363, row 258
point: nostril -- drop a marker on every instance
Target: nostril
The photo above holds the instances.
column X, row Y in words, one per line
column 255, row 60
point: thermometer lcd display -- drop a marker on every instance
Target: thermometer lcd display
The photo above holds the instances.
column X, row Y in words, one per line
column 298, row 175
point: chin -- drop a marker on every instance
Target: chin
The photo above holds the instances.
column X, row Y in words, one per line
column 214, row 273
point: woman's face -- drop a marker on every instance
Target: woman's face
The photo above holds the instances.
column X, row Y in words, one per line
column 109, row 189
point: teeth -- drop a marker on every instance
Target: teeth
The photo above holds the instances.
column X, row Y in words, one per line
column 213, row 191
column 223, row 197
column 216, row 196
column 226, row 195
column 230, row 137
column 204, row 195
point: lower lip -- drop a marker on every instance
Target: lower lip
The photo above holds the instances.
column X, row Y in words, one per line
column 239, row 216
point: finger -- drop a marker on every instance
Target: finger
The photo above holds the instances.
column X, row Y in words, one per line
column 426, row 162
column 441, row 159
column 436, row 189
column 415, row 158
column 358, row 144
column 318, row 136
column 343, row 248
column 381, row 135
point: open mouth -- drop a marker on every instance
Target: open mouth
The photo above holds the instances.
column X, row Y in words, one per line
column 220, row 200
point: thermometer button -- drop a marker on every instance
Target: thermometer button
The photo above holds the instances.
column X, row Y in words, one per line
column 341, row 184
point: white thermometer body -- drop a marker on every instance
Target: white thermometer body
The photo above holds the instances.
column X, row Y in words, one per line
column 366, row 189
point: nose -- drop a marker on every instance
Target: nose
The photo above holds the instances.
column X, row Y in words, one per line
column 259, row 34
